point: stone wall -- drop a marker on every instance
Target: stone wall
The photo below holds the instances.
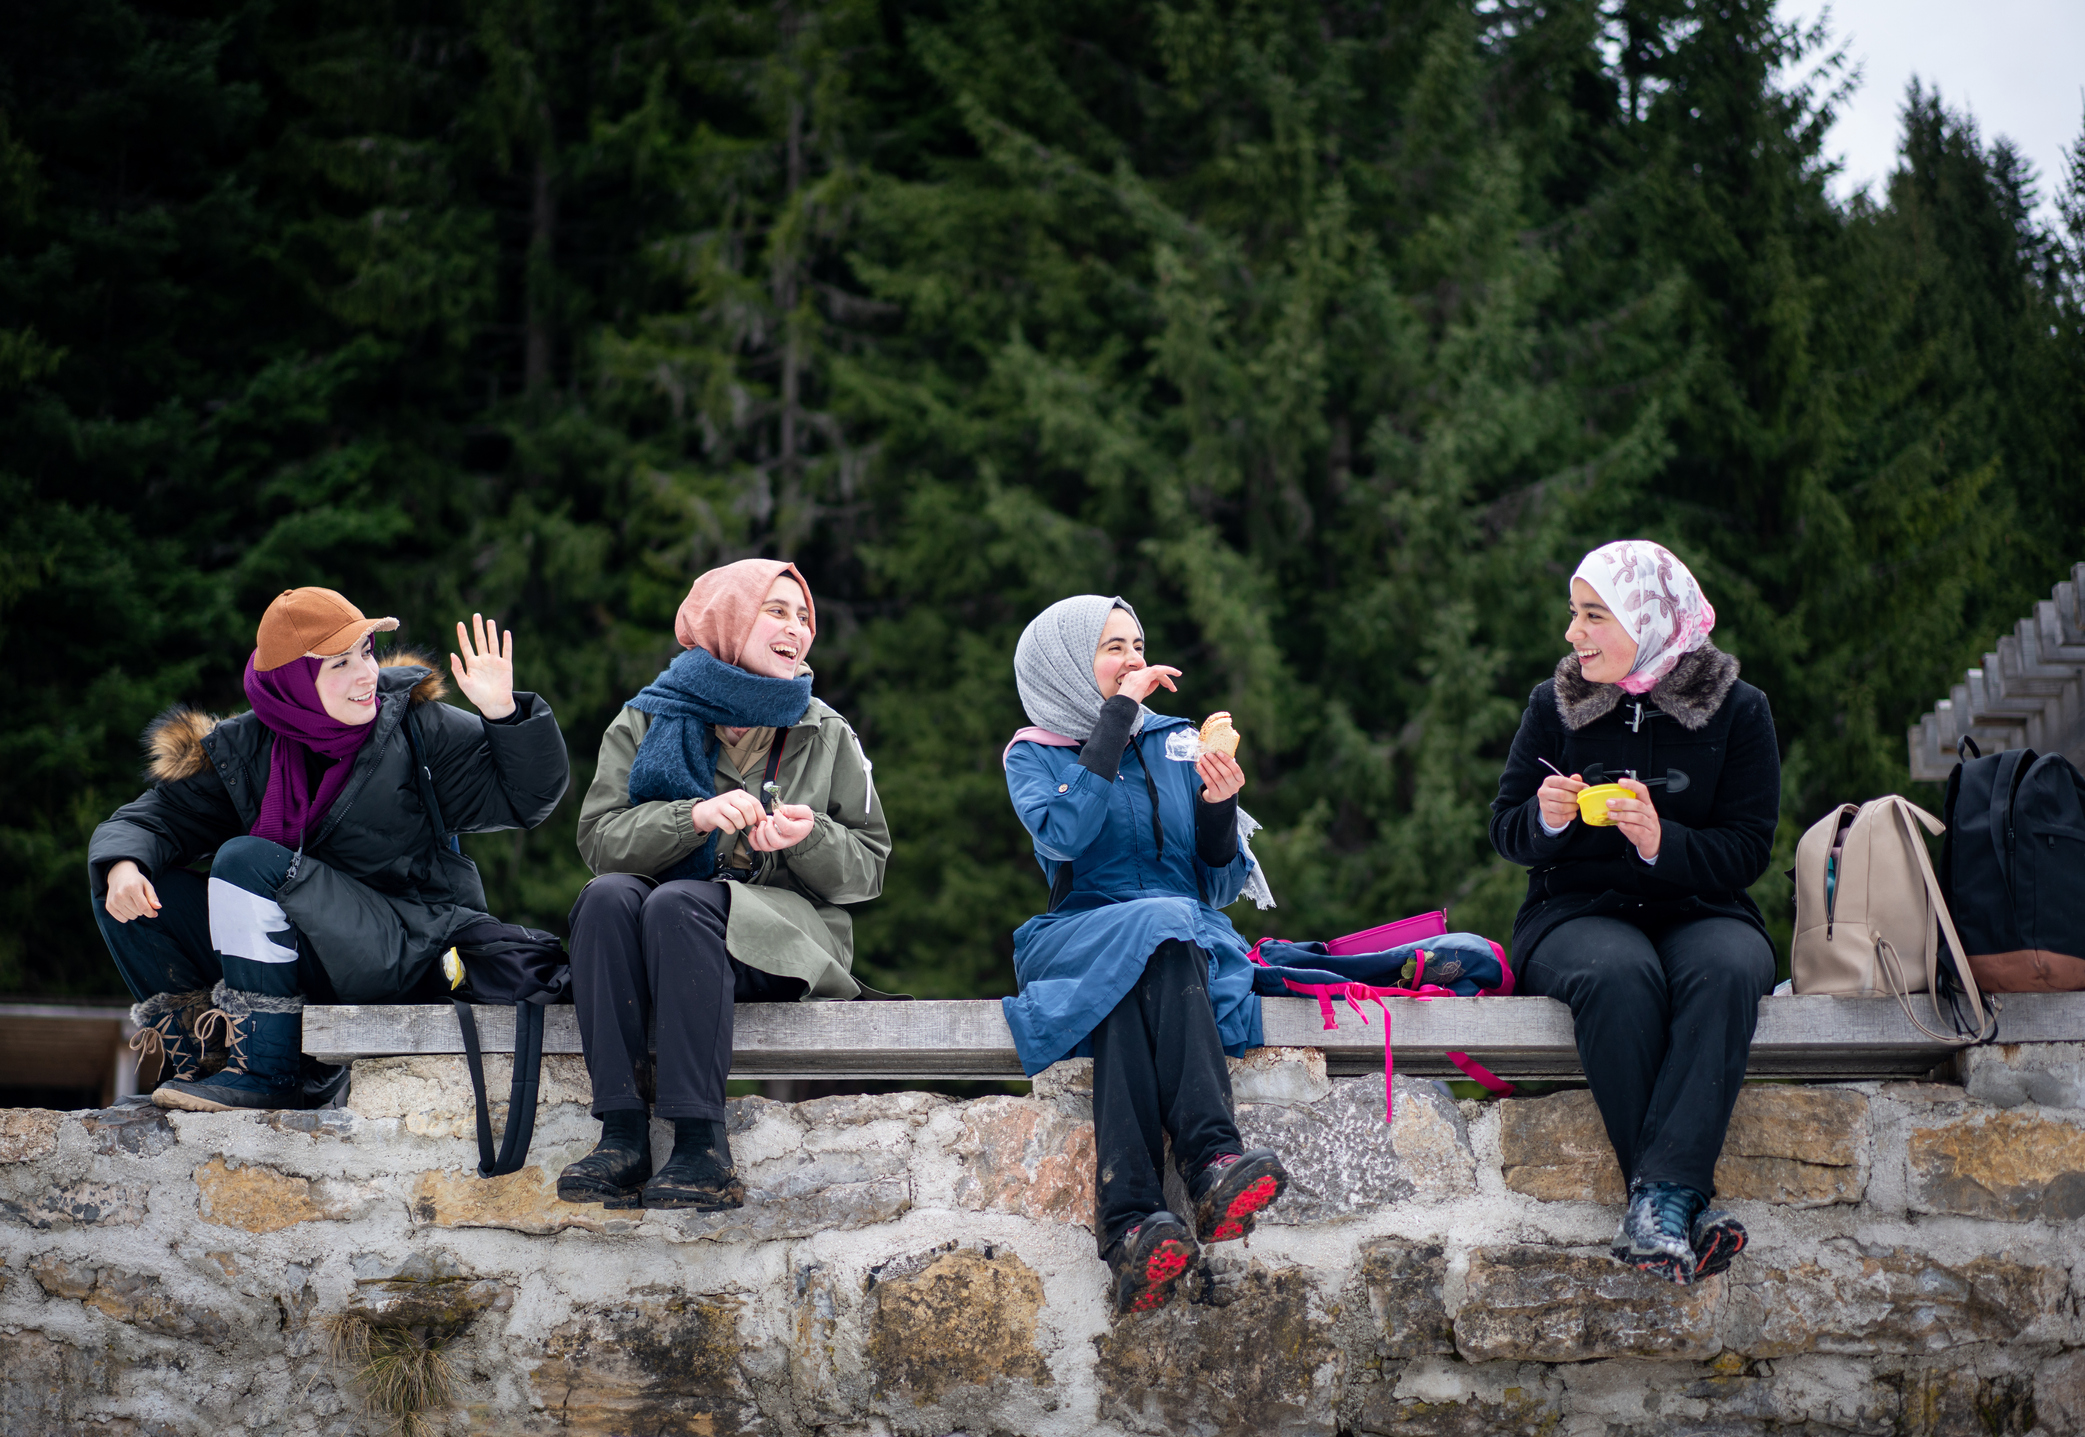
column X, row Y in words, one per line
column 915, row 1265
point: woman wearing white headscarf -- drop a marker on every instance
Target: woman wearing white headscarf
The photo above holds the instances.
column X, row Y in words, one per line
column 1134, row 963
column 1643, row 925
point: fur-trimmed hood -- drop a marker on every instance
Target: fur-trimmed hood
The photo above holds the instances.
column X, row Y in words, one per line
column 174, row 740
column 1691, row 693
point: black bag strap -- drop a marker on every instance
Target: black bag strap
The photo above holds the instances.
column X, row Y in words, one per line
column 423, row 779
column 528, row 1021
column 1158, row 826
column 521, row 1098
column 763, row 863
column 2012, row 767
column 1060, row 886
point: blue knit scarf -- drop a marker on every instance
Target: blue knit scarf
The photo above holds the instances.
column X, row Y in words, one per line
column 678, row 758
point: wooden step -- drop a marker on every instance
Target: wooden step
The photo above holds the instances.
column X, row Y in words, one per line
column 1798, row 1037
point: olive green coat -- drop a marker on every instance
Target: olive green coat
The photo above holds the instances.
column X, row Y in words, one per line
column 787, row 919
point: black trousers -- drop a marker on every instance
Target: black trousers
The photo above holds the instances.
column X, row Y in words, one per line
column 1158, row 1070
column 1665, row 1014
column 642, row 951
column 175, row 950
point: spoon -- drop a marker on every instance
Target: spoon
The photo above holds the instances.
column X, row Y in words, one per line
column 1675, row 781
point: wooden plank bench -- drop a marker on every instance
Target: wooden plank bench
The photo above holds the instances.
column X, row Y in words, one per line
column 1798, row 1037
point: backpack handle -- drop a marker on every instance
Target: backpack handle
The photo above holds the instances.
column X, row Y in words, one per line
column 521, row 1096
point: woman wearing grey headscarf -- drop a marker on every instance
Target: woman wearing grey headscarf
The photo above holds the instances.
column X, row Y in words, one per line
column 1135, row 963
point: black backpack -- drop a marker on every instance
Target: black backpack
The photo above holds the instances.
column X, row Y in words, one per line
column 2012, row 868
column 502, row 963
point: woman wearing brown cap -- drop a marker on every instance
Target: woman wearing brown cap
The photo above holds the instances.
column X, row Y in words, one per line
column 730, row 814
column 324, row 883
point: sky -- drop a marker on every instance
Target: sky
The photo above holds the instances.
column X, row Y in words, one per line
column 2018, row 66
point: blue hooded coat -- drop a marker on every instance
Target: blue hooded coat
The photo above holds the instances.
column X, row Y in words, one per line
column 1076, row 963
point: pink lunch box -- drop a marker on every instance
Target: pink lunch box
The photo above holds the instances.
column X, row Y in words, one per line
column 1385, row 936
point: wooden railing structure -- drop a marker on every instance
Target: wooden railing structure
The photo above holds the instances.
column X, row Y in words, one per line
column 1820, row 1038
column 2030, row 693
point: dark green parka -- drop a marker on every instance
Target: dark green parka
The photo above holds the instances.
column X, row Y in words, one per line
column 368, row 892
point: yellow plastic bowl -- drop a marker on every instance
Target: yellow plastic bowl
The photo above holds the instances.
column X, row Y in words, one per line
column 1592, row 803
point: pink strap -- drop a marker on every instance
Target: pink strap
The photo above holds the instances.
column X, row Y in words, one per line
column 1037, row 735
column 1356, row 994
column 1476, row 1072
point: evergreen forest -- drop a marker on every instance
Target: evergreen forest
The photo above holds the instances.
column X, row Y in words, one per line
column 1329, row 334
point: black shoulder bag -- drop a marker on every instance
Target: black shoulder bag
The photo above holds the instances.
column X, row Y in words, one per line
column 502, row 963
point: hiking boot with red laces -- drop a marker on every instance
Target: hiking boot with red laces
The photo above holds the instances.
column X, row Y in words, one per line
column 1233, row 1189
column 1149, row 1260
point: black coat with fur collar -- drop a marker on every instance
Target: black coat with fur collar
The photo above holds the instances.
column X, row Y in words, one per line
column 1718, row 834
column 369, row 892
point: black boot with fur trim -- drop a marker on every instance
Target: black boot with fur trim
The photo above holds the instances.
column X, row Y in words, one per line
column 167, row 1039
column 264, row 1068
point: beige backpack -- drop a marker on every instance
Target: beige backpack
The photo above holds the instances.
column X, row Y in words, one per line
column 1867, row 907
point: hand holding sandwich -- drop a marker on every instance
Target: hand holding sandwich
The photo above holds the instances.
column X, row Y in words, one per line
column 1218, row 765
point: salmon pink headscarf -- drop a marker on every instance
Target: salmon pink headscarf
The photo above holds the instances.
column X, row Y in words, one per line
column 1653, row 596
column 719, row 611
column 704, row 687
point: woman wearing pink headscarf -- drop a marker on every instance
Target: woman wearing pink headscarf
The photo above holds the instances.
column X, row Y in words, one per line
column 730, row 815
column 1642, row 924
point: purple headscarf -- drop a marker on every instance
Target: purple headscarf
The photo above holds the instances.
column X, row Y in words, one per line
column 287, row 700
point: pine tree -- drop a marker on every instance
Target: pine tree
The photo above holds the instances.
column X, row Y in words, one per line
column 1323, row 462
column 1329, row 337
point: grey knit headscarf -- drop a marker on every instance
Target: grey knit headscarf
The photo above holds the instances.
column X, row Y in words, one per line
column 1053, row 668
column 1053, row 664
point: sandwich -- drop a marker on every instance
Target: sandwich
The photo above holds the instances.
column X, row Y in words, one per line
column 1218, row 736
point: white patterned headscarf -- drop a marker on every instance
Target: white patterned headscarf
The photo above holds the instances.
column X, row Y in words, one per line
column 1053, row 664
column 1653, row 596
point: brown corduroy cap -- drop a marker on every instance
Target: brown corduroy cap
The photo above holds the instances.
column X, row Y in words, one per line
column 310, row 621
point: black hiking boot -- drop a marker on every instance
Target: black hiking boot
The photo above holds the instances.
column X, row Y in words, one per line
column 323, row 1083
column 1717, row 1238
column 1232, row 1189
column 1148, row 1262
column 613, row 1173
column 698, row 1173
column 1655, row 1232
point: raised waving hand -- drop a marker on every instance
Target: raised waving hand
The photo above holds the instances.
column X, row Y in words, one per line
column 485, row 669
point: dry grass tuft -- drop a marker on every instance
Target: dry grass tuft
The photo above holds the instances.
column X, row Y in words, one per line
column 402, row 1370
